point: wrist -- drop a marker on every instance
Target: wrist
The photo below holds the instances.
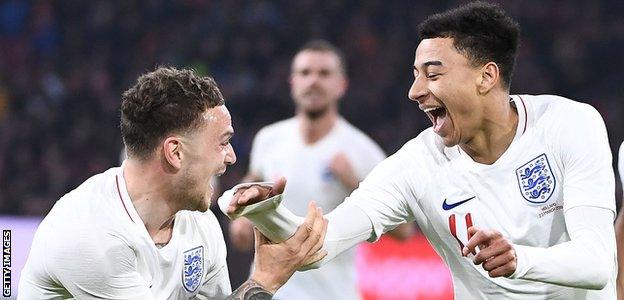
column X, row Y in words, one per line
column 267, row 281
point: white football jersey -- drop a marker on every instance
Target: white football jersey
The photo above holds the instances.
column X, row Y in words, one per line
column 279, row 150
column 93, row 244
column 557, row 160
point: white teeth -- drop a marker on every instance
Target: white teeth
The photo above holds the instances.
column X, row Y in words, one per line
column 431, row 109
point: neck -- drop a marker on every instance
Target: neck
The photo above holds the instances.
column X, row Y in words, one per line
column 497, row 131
column 148, row 186
column 315, row 129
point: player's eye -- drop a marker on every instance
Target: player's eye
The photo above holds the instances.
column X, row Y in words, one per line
column 432, row 75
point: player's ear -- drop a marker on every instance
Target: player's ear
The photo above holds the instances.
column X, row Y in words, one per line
column 489, row 77
column 344, row 85
column 172, row 150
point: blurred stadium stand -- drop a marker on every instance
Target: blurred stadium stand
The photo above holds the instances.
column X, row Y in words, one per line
column 64, row 64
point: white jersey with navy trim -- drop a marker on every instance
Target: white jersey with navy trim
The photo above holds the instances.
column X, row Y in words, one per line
column 559, row 159
column 279, row 150
column 93, row 244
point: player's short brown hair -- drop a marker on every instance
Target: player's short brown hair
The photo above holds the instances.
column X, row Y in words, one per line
column 325, row 46
column 162, row 102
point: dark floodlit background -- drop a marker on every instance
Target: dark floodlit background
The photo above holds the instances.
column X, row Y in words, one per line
column 64, row 64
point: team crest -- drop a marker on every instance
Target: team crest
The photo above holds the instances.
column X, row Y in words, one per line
column 536, row 180
column 193, row 268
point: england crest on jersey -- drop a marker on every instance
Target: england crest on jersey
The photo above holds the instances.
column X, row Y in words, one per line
column 536, row 180
column 193, row 268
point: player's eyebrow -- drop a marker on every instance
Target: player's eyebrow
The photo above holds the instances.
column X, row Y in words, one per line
column 227, row 134
column 432, row 63
column 429, row 63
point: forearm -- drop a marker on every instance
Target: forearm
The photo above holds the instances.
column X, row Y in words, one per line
column 250, row 290
column 347, row 225
column 586, row 261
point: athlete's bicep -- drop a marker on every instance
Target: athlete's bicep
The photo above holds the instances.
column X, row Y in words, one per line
column 586, row 158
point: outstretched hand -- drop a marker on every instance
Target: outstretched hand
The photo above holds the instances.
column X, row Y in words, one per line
column 275, row 263
column 254, row 194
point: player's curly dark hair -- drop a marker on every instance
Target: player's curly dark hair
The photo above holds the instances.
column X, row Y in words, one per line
column 480, row 31
column 164, row 101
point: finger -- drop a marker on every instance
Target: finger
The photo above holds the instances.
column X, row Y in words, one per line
column 248, row 194
column 303, row 231
column 315, row 234
column 315, row 257
column 234, row 202
column 475, row 238
column 471, row 232
column 482, row 239
column 499, row 260
column 493, row 250
column 278, row 187
column 319, row 244
column 505, row 270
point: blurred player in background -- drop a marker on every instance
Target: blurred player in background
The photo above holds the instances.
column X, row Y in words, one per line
column 320, row 154
column 619, row 230
column 144, row 230
column 515, row 192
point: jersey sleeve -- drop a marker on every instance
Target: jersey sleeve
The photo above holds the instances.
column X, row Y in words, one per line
column 97, row 265
column 385, row 194
column 587, row 162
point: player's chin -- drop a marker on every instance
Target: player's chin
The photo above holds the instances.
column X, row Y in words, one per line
column 204, row 205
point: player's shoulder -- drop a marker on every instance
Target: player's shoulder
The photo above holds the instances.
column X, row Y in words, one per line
column 91, row 194
column 278, row 128
column 549, row 109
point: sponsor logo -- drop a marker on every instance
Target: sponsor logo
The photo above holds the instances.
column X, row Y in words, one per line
column 447, row 206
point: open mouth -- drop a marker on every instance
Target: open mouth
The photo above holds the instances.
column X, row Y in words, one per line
column 437, row 115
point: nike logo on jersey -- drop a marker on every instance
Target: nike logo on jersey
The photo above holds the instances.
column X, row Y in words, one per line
column 447, row 206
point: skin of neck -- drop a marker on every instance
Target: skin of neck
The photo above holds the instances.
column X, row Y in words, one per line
column 149, row 185
column 315, row 129
column 496, row 129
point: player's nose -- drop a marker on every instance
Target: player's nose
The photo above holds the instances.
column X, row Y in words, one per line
column 230, row 157
column 418, row 91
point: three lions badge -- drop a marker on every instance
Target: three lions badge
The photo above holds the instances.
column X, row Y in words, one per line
column 536, row 180
column 193, row 268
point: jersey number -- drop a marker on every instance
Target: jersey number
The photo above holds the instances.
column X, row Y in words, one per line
column 453, row 228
